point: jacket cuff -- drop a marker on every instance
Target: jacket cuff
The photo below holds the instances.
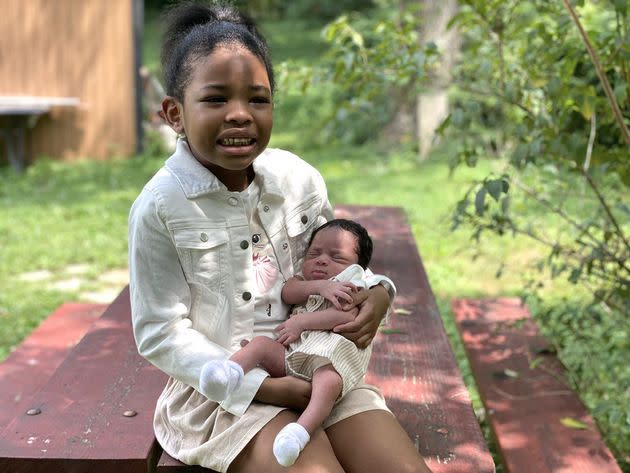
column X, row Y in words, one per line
column 238, row 402
column 384, row 281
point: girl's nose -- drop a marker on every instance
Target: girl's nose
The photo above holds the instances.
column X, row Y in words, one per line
column 238, row 113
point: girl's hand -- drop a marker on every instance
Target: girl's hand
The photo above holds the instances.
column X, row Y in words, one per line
column 337, row 292
column 287, row 391
column 289, row 331
column 358, row 298
column 364, row 327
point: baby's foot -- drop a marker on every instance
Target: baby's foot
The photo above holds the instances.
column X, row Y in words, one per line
column 289, row 442
column 219, row 378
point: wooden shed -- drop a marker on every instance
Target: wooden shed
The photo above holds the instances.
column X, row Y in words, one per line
column 83, row 49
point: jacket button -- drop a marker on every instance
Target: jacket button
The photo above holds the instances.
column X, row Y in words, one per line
column 285, row 246
column 304, row 219
column 203, row 236
column 266, row 208
column 232, row 201
column 247, row 296
column 244, row 244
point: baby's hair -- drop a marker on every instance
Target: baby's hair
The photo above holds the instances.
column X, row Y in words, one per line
column 194, row 30
column 364, row 242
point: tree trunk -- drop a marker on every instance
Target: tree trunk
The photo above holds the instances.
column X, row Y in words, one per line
column 432, row 105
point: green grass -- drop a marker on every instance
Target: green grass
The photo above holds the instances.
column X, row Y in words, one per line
column 61, row 214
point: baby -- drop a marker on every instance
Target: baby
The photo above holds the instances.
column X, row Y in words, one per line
column 324, row 295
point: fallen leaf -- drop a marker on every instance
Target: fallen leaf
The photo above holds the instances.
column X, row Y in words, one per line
column 510, row 373
column 573, row 423
column 389, row 331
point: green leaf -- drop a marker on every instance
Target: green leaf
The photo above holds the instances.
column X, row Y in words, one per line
column 480, row 201
column 443, row 126
column 495, row 188
column 573, row 423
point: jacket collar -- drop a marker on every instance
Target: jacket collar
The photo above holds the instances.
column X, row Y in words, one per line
column 195, row 180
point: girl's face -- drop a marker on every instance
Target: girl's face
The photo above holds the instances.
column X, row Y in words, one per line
column 226, row 114
column 331, row 251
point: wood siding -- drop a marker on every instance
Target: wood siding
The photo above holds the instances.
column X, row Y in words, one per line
column 73, row 48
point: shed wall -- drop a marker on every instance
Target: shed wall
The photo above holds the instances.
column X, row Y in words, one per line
column 73, row 48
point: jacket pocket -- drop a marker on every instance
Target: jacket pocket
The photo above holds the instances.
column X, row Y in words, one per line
column 203, row 254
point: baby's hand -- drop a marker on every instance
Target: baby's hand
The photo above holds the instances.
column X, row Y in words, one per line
column 358, row 297
column 289, row 331
column 338, row 292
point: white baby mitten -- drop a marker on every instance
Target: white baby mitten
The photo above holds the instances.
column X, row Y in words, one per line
column 289, row 442
column 219, row 378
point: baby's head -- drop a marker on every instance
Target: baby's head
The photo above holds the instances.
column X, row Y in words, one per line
column 334, row 246
column 194, row 31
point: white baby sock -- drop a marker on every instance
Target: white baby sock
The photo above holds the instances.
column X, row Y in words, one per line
column 289, row 442
column 219, row 378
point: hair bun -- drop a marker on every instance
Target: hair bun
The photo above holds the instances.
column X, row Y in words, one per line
column 192, row 27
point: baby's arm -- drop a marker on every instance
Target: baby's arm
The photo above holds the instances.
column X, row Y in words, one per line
column 290, row 330
column 297, row 290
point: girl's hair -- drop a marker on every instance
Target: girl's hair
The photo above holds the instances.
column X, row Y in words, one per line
column 364, row 242
column 195, row 30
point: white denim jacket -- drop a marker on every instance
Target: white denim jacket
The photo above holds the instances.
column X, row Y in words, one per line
column 191, row 269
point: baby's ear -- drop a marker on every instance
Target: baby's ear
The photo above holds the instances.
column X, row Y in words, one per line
column 172, row 112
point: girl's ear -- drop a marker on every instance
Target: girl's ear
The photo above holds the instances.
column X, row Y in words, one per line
column 172, row 113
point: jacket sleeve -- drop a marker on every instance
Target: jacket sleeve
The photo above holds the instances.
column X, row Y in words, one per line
column 160, row 306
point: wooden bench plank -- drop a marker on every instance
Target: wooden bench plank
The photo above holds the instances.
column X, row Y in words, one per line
column 412, row 361
column 82, row 426
column 31, row 364
column 526, row 401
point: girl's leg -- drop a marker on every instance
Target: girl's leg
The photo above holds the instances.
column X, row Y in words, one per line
column 373, row 442
column 264, row 352
column 317, row 457
column 292, row 439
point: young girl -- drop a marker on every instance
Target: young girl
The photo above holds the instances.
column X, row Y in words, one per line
column 195, row 290
column 331, row 283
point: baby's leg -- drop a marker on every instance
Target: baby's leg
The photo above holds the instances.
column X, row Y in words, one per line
column 264, row 352
column 219, row 378
column 326, row 387
column 291, row 440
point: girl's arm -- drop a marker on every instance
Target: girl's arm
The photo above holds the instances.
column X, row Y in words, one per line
column 160, row 304
column 287, row 391
column 297, row 290
column 290, row 330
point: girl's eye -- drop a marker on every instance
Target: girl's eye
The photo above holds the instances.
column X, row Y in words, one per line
column 260, row 100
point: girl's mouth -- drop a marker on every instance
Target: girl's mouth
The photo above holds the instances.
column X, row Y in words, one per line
column 236, row 142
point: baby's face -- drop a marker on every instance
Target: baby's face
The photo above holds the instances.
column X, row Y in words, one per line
column 332, row 250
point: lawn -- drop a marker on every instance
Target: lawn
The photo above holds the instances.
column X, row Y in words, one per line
column 60, row 216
